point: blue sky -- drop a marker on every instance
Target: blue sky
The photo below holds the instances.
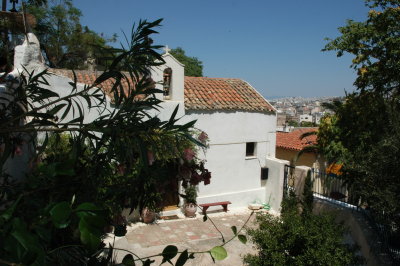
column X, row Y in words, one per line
column 273, row 45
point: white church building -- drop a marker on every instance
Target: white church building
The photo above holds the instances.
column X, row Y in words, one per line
column 240, row 123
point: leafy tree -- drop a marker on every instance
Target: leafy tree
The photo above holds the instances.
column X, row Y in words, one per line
column 293, row 123
column 368, row 117
column 307, row 124
column 193, row 66
column 79, row 182
column 362, row 135
column 295, row 239
column 65, row 42
column 308, row 197
column 374, row 44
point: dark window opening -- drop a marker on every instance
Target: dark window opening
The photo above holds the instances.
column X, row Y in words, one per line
column 250, row 149
column 264, row 173
column 167, row 81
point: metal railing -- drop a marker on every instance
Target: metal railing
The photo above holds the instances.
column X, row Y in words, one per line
column 332, row 188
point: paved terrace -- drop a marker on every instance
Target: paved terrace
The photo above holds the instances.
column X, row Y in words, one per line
column 189, row 233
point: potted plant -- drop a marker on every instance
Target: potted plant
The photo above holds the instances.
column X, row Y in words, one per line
column 190, row 201
column 148, row 215
column 151, row 208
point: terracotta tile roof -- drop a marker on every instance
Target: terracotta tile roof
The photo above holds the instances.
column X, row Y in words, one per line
column 202, row 93
column 292, row 141
column 88, row 77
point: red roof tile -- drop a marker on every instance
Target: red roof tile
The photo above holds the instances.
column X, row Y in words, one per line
column 201, row 93
column 89, row 77
column 292, row 141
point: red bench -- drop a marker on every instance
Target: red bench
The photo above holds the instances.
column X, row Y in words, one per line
column 224, row 204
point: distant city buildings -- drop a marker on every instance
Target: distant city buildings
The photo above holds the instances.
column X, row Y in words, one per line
column 298, row 111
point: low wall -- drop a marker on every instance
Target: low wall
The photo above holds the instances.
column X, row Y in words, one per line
column 360, row 231
column 274, row 183
column 238, row 198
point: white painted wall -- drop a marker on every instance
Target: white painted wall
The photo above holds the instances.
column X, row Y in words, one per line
column 60, row 85
column 235, row 177
column 274, row 184
column 306, row 118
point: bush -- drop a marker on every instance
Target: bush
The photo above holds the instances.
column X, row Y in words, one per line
column 295, row 239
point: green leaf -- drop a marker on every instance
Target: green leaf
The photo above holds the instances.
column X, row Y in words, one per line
column 148, row 262
column 169, row 252
column 234, row 230
column 86, row 209
column 56, row 109
column 7, row 214
column 128, row 260
column 87, row 206
column 90, row 239
column 73, row 200
column 242, row 239
column 172, row 118
column 218, row 253
column 182, row 258
column 65, row 168
column 60, row 214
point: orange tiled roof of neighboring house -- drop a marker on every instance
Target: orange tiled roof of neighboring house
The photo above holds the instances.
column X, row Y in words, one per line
column 202, row 93
column 292, row 141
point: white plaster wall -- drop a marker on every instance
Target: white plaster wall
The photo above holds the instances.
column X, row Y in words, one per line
column 274, row 184
column 60, row 85
column 234, row 176
column 306, row 118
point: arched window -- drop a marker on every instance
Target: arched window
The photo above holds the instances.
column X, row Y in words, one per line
column 167, row 81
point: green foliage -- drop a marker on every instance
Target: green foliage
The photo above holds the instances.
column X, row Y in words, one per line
column 363, row 133
column 83, row 173
column 374, row 44
column 191, row 194
column 307, row 124
column 66, row 43
column 308, row 197
column 293, row 123
column 218, row 253
column 193, row 66
column 295, row 239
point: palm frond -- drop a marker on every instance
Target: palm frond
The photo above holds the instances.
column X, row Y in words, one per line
column 307, row 134
column 308, row 149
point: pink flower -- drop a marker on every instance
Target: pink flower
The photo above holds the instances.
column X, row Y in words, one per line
column 203, row 137
column 188, row 154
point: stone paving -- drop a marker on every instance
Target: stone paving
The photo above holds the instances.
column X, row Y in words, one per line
column 189, row 233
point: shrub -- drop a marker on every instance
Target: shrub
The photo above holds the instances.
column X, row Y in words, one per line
column 295, row 239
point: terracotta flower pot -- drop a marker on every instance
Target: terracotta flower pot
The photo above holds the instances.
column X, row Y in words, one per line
column 148, row 216
column 190, row 209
